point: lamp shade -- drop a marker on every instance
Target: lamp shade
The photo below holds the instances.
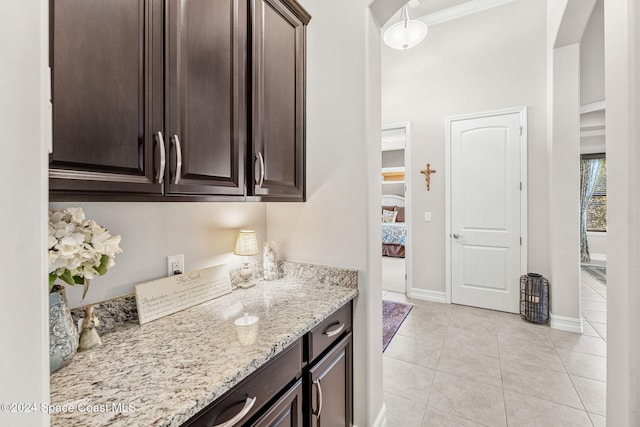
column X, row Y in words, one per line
column 405, row 34
column 247, row 243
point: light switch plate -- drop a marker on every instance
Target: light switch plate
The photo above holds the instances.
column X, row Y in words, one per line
column 427, row 217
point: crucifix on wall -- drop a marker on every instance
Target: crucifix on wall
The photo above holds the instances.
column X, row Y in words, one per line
column 427, row 174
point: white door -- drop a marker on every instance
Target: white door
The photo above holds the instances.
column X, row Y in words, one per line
column 487, row 154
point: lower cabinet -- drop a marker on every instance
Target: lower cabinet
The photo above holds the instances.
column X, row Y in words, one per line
column 329, row 387
column 286, row 411
column 310, row 384
column 253, row 396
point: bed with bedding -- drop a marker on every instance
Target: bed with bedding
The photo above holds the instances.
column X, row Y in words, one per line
column 393, row 226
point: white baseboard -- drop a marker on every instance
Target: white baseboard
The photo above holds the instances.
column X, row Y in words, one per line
column 569, row 324
column 381, row 419
column 426, row 295
column 598, row 257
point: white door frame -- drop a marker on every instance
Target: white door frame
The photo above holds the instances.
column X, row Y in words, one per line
column 407, row 200
column 523, row 196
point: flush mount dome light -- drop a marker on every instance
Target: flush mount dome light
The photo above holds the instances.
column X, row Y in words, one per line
column 405, row 34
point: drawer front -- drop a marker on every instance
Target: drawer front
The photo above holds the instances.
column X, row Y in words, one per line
column 263, row 386
column 328, row 332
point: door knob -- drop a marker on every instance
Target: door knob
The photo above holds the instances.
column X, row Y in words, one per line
column 457, row 236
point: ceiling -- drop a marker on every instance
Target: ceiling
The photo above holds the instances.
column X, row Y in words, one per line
column 427, row 7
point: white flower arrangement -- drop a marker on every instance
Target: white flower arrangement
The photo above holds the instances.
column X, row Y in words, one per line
column 79, row 249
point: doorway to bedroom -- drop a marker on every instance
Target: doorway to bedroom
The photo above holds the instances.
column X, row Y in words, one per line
column 396, row 253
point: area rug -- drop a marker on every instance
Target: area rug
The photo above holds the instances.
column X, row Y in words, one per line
column 393, row 314
column 598, row 272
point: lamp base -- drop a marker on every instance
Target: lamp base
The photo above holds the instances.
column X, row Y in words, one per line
column 245, row 285
column 245, row 274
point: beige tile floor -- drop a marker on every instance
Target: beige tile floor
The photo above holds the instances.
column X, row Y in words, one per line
column 393, row 270
column 452, row 365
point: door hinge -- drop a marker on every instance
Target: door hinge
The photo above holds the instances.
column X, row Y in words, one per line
column 521, row 130
column 521, row 186
column 405, row 277
column 521, row 241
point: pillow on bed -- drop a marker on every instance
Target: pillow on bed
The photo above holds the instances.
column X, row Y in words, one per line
column 388, row 208
column 389, row 216
column 400, row 210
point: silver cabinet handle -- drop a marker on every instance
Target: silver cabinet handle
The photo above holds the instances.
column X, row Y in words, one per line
column 248, row 404
column 176, row 141
column 457, row 236
column 261, row 169
column 163, row 159
column 316, row 382
column 334, row 330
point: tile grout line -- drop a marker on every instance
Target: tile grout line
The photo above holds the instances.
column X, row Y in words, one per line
column 504, row 399
column 571, row 381
column 565, row 367
column 466, row 378
column 439, row 356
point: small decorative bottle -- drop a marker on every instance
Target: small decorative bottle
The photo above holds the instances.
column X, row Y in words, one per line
column 269, row 264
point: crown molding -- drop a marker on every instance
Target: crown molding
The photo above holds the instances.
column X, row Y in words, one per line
column 465, row 9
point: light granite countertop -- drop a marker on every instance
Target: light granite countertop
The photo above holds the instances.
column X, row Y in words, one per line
column 164, row 372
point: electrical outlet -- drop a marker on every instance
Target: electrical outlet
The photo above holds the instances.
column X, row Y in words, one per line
column 175, row 264
column 427, row 216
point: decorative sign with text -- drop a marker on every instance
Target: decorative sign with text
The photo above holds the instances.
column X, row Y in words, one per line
column 162, row 297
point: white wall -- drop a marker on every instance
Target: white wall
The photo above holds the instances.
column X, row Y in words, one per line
column 487, row 61
column 24, row 360
column 564, row 190
column 592, row 57
column 622, row 71
column 597, row 245
column 204, row 232
column 593, row 144
column 566, row 28
column 332, row 228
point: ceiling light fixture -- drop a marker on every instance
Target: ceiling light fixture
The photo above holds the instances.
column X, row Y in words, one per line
column 405, row 34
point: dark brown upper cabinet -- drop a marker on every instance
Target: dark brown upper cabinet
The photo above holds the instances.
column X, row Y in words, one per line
column 206, row 96
column 177, row 100
column 278, row 100
column 107, row 91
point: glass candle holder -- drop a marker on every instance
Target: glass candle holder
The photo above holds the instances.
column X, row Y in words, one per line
column 247, row 329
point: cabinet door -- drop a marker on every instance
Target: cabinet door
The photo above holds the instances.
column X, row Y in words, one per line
column 286, row 411
column 329, row 386
column 107, row 77
column 278, row 83
column 206, row 90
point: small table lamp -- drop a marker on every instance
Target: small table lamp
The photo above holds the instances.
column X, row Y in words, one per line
column 246, row 245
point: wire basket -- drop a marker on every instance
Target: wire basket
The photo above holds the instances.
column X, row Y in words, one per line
column 534, row 298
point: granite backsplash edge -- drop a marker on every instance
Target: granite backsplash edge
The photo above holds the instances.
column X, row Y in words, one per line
column 119, row 311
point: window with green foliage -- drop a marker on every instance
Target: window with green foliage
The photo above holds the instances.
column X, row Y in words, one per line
column 597, row 209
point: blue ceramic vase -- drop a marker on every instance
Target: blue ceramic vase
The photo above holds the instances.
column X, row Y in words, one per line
column 63, row 334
